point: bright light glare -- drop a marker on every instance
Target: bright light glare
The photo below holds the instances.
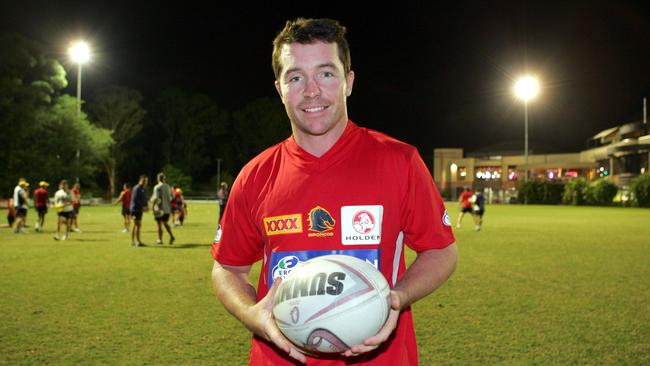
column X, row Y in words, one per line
column 526, row 88
column 79, row 52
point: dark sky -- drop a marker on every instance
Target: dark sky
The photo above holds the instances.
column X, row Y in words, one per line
column 433, row 75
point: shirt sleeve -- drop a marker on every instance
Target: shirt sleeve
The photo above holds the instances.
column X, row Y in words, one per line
column 239, row 241
column 425, row 222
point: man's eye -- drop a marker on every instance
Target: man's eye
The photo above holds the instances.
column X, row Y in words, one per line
column 294, row 79
column 328, row 74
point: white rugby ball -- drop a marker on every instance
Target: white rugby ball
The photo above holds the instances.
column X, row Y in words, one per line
column 331, row 303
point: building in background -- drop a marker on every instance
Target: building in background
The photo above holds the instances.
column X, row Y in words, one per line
column 620, row 154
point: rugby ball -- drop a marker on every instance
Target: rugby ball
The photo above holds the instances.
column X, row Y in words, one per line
column 331, row 303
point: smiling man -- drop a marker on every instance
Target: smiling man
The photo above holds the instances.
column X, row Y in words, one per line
column 332, row 187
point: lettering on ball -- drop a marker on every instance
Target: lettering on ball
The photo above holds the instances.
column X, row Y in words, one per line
column 319, row 284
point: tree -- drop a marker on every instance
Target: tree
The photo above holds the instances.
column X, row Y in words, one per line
column 259, row 125
column 190, row 130
column 60, row 134
column 118, row 110
column 41, row 131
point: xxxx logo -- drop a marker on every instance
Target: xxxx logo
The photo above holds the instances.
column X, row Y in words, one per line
column 287, row 224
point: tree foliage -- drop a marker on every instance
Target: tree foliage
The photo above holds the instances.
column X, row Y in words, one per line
column 259, row 125
column 187, row 130
column 118, row 110
column 41, row 131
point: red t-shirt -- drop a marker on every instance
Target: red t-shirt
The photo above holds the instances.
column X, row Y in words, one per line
column 287, row 206
column 76, row 199
column 40, row 197
column 465, row 199
column 126, row 198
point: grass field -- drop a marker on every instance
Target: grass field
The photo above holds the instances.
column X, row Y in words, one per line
column 539, row 285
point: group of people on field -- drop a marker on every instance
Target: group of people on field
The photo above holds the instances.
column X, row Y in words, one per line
column 474, row 204
column 67, row 203
column 166, row 202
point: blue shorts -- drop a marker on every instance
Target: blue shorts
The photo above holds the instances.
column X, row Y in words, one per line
column 66, row 214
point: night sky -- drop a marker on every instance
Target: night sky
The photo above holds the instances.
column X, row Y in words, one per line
column 434, row 75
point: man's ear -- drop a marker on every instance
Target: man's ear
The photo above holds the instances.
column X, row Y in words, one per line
column 278, row 88
column 349, row 83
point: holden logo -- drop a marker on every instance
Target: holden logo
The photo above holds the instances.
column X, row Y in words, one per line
column 363, row 222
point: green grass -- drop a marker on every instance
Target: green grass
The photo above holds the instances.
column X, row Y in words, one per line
column 537, row 286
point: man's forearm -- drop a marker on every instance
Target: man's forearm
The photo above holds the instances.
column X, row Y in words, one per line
column 232, row 288
column 429, row 271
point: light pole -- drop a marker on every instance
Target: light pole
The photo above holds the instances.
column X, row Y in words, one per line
column 79, row 53
column 526, row 88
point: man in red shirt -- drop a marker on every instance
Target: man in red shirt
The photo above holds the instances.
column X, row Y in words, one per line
column 76, row 205
column 465, row 203
column 302, row 198
column 40, row 203
column 125, row 199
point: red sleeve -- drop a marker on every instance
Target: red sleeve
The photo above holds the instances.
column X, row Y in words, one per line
column 240, row 242
column 424, row 217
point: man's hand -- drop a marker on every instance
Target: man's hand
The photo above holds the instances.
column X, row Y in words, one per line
column 370, row 344
column 237, row 294
column 263, row 324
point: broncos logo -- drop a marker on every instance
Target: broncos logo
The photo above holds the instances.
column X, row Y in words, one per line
column 320, row 222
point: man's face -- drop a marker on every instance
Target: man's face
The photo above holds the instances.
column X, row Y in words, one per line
column 313, row 87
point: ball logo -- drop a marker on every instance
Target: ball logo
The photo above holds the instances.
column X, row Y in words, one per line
column 285, row 266
column 363, row 222
column 295, row 314
column 318, row 284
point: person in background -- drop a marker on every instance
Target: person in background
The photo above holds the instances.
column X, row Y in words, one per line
column 181, row 204
column 478, row 209
column 125, row 199
column 63, row 206
column 465, row 205
column 324, row 177
column 41, row 196
column 76, row 206
column 137, row 206
column 11, row 213
column 175, row 204
column 222, row 197
column 161, row 203
column 21, row 203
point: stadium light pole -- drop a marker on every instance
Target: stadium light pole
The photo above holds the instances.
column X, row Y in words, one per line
column 79, row 53
column 526, row 89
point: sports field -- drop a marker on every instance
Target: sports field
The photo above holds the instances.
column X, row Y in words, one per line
column 539, row 285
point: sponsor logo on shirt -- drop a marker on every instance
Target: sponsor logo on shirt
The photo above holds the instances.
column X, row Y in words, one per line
column 282, row 263
column 287, row 224
column 217, row 235
column 284, row 266
column 361, row 224
column 445, row 219
column 321, row 222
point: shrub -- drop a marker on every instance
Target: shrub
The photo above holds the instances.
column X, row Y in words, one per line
column 641, row 190
column 548, row 193
column 601, row 192
column 575, row 192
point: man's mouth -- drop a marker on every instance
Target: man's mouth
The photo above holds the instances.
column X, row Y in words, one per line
column 314, row 109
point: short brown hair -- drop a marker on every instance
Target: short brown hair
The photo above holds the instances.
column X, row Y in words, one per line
column 306, row 31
